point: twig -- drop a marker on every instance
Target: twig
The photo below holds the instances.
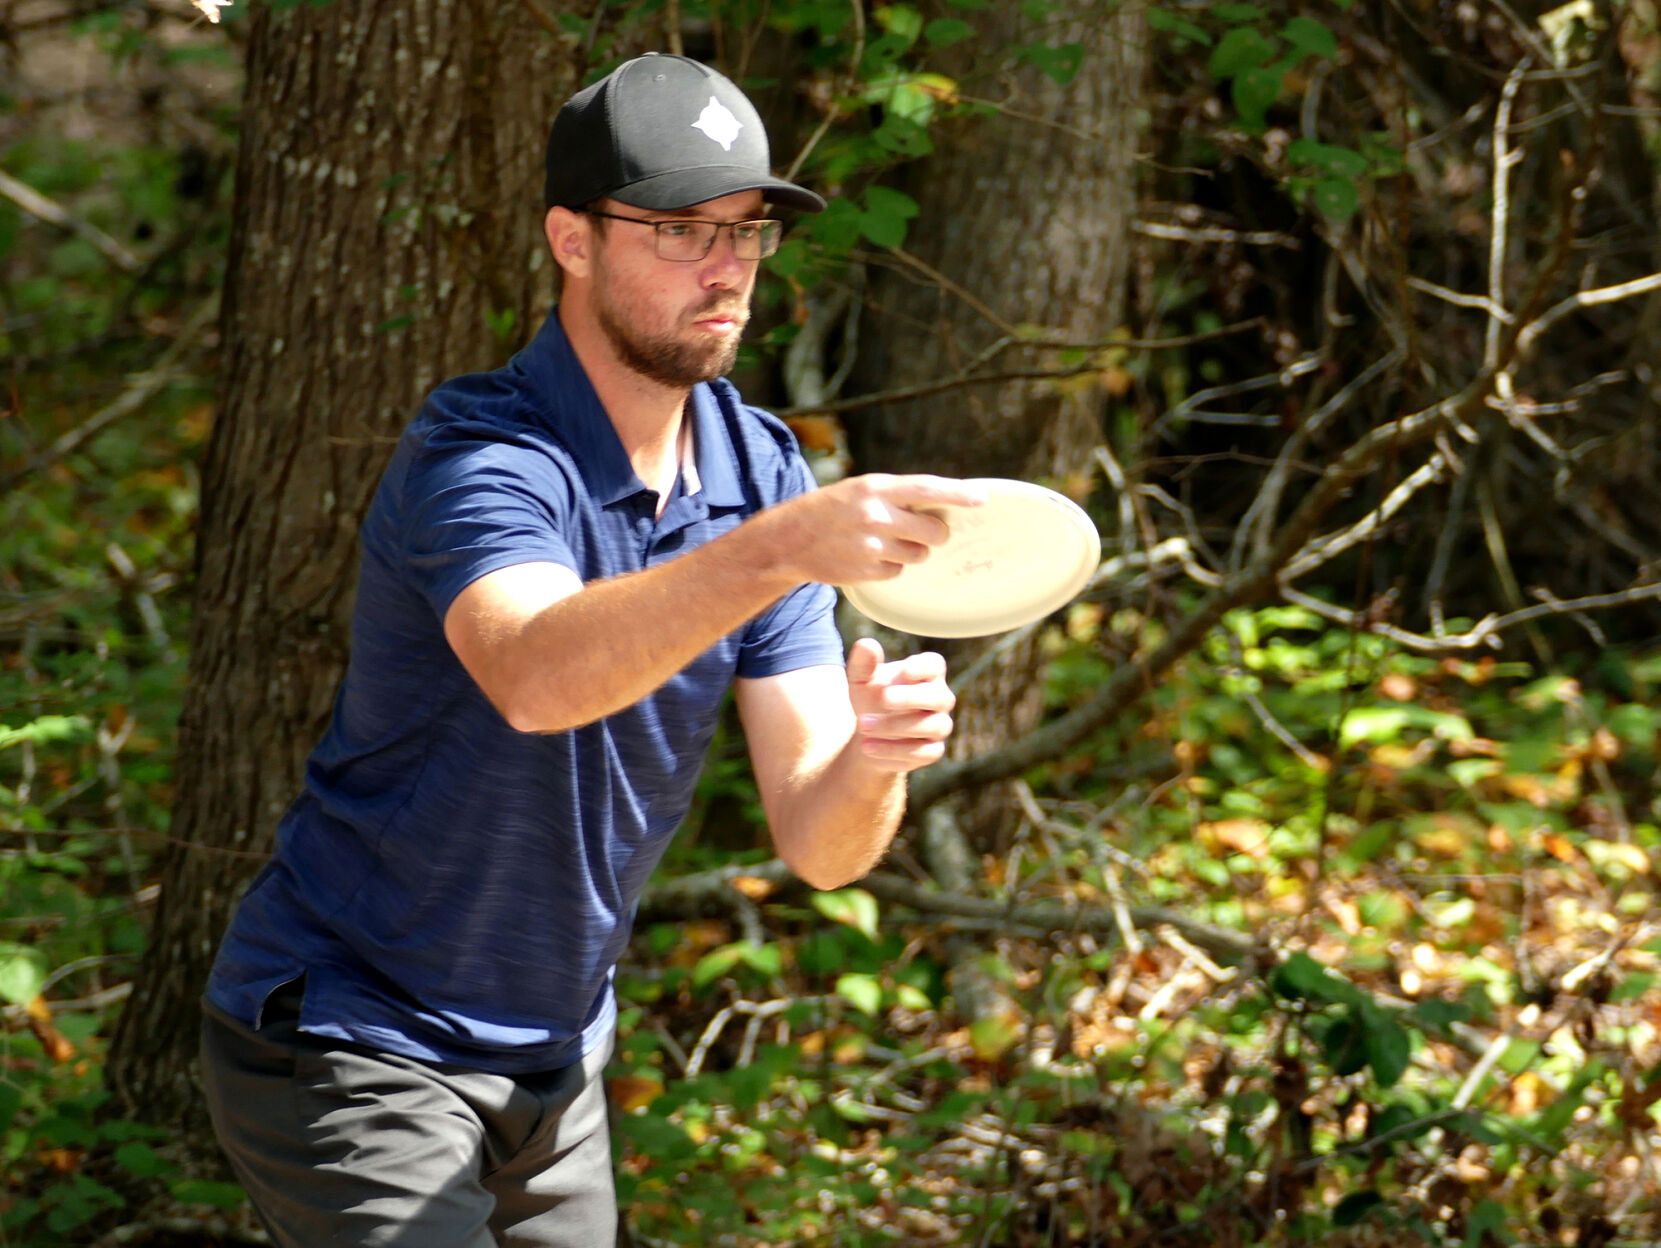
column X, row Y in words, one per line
column 1252, row 583
column 49, row 211
column 544, row 20
column 1214, row 234
column 1323, row 549
column 1500, row 217
column 1188, row 408
column 140, row 388
column 1484, row 303
column 1256, row 524
column 1487, row 630
column 1585, row 299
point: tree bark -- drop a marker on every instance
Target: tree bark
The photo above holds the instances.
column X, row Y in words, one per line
column 1029, row 211
column 386, row 235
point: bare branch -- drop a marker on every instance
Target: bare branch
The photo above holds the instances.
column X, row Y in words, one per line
column 1585, row 299
column 140, row 388
column 1255, row 525
column 1504, row 158
column 902, row 394
column 1324, row 549
column 1488, row 629
column 1482, row 302
column 1254, row 583
column 1214, row 234
column 53, row 213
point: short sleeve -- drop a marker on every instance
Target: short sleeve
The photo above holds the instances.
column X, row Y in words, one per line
column 799, row 630
column 474, row 506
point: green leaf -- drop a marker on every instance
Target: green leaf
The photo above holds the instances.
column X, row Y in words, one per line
column 1236, row 13
column 207, row 1192
column 1356, row 1206
column 1060, row 64
column 142, row 1160
column 1438, row 1015
column 1389, row 1047
column 863, row 992
column 1241, row 48
column 1300, row 977
column 1254, row 92
column 836, row 229
column 900, row 20
column 903, row 136
column 886, row 214
column 716, row 963
column 1344, row 1046
column 1337, row 198
column 1488, row 1218
column 767, row 959
column 1159, row 19
column 853, row 906
column 945, row 31
column 22, row 973
column 1327, row 157
column 47, row 729
column 1310, row 37
column 888, row 201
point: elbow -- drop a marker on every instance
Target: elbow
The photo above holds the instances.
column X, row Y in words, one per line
column 532, row 715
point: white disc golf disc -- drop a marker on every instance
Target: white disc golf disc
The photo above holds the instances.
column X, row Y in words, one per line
column 1020, row 555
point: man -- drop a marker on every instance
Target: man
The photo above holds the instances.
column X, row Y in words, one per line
column 568, row 563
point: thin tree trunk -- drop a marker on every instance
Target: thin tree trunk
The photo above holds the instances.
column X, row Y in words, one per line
column 386, row 235
column 1029, row 211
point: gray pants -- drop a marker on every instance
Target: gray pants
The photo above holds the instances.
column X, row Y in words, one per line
column 338, row 1144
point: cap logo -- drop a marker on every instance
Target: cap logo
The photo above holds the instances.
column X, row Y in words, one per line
column 718, row 123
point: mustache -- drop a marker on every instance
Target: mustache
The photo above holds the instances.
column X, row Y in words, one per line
column 720, row 306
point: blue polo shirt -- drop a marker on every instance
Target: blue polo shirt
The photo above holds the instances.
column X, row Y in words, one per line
column 453, row 889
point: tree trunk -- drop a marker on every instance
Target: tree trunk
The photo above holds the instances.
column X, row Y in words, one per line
column 386, row 235
column 1029, row 211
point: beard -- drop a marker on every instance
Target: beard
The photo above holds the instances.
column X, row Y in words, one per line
column 663, row 358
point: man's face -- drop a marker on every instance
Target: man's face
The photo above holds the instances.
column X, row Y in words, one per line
column 674, row 322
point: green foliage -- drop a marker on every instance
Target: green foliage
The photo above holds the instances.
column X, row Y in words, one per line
column 1326, row 1080
column 1262, row 57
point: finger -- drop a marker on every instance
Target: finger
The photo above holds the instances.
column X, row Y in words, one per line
column 915, row 727
column 918, row 668
column 902, row 756
column 864, row 660
column 909, row 699
column 921, row 490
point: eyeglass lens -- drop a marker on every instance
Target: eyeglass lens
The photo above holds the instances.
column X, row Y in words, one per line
column 692, row 240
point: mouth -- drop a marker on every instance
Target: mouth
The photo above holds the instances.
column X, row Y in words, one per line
column 720, row 322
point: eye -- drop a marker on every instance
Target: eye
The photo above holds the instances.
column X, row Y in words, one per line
column 747, row 230
column 677, row 229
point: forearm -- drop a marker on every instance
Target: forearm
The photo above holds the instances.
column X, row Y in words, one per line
column 603, row 648
column 833, row 826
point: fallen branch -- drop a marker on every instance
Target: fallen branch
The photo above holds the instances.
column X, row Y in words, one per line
column 714, row 890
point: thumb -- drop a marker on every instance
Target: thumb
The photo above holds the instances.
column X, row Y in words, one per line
column 863, row 660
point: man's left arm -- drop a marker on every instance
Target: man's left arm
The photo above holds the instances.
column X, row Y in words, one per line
column 831, row 749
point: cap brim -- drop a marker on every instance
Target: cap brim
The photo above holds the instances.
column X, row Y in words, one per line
column 681, row 188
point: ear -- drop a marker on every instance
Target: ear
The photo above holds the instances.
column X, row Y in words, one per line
column 571, row 239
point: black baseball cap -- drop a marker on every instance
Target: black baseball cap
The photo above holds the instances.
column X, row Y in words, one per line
column 662, row 132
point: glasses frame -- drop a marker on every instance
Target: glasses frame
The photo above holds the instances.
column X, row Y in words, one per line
column 776, row 235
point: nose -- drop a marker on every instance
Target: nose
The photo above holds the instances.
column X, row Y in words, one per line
column 722, row 269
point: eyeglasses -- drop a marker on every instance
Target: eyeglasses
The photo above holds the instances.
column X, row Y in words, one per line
column 691, row 240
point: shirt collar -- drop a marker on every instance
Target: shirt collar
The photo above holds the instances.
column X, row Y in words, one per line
column 574, row 411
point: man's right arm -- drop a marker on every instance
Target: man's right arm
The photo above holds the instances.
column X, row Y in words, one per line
column 552, row 653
